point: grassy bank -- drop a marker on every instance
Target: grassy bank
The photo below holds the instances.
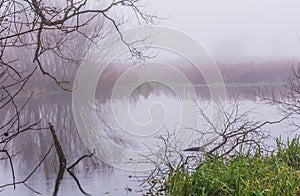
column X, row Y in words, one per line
column 275, row 174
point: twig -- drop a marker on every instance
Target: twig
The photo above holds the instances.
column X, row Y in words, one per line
column 30, row 174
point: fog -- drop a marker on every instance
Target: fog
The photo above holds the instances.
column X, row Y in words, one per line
column 237, row 30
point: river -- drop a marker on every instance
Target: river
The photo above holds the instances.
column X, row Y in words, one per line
column 95, row 176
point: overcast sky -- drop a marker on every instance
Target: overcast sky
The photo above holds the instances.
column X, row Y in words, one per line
column 235, row 28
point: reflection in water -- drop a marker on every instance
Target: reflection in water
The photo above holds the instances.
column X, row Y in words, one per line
column 126, row 135
column 32, row 146
column 95, row 177
column 57, row 110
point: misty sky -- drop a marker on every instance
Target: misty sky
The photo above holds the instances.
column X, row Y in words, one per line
column 235, row 28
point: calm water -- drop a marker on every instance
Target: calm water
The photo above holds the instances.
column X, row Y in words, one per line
column 96, row 177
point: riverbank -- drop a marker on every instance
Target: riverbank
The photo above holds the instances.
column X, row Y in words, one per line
column 275, row 173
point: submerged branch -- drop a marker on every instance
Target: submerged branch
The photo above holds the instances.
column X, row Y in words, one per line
column 63, row 164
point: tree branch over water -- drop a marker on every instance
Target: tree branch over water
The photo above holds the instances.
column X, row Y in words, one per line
column 41, row 38
column 287, row 102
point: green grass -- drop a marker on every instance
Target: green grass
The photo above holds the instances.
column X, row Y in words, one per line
column 276, row 174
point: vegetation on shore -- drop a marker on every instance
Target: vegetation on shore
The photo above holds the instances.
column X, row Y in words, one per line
column 276, row 173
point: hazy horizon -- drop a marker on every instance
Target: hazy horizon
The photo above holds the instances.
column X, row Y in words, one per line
column 237, row 30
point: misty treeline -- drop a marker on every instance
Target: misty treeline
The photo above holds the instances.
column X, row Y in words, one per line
column 267, row 72
column 241, row 79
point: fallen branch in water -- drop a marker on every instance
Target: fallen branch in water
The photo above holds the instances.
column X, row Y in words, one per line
column 63, row 164
column 69, row 169
column 78, row 160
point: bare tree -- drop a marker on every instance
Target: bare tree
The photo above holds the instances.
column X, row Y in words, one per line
column 235, row 133
column 287, row 100
column 42, row 37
